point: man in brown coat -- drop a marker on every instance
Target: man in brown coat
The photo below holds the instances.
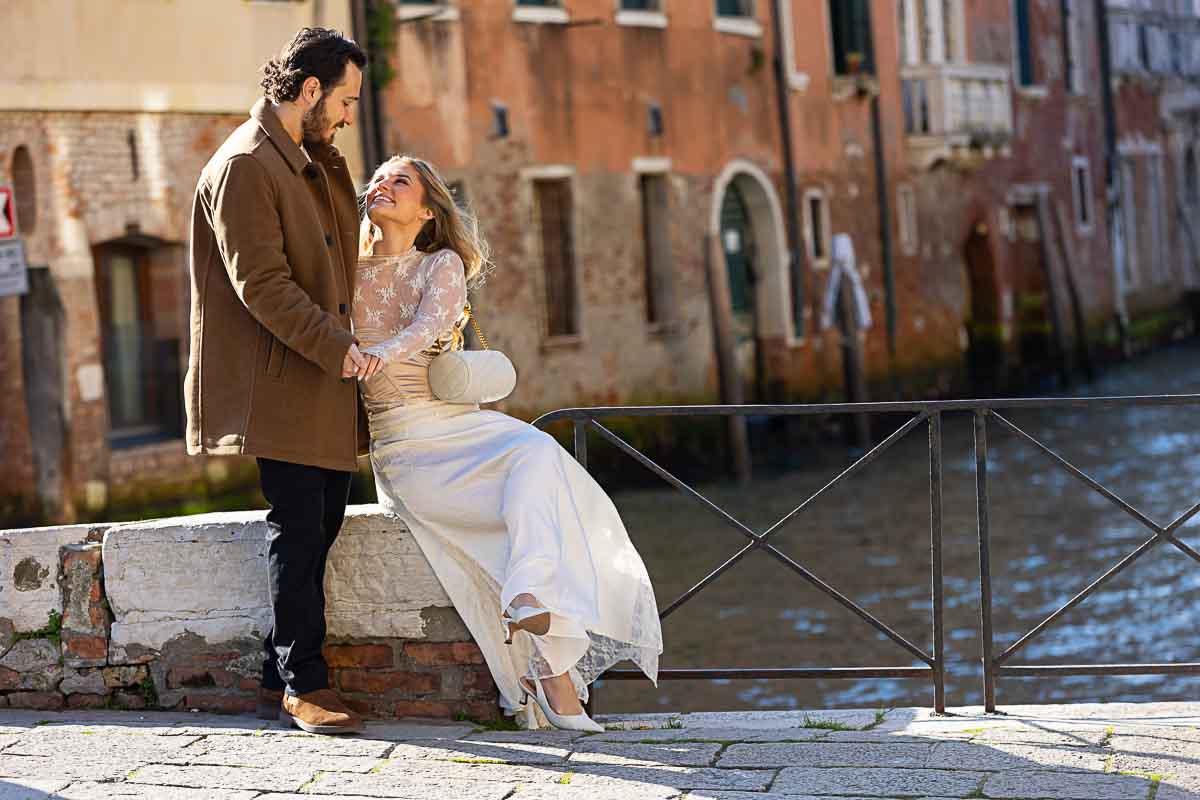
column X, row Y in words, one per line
column 273, row 360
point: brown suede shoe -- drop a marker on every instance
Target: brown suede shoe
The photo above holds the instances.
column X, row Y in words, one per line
column 321, row 711
column 269, row 701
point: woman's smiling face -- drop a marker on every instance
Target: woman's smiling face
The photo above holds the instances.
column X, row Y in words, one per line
column 397, row 197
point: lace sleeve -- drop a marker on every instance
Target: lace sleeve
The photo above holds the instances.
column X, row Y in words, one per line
column 443, row 297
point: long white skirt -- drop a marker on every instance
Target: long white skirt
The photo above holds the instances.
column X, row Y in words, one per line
column 500, row 509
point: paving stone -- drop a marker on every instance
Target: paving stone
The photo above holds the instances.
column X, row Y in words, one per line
column 283, row 747
column 1170, row 791
column 31, row 788
column 130, row 791
column 1065, row 786
column 757, row 720
column 344, row 784
column 679, row 754
column 542, row 738
column 409, row 731
column 7, row 739
column 467, row 751
column 602, row 775
column 724, row 735
column 1175, row 757
column 877, row 782
column 431, row 771
column 821, row 754
column 956, row 755
column 873, row 737
column 277, row 779
column 74, row 768
column 1058, row 735
column 50, row 742
column 555, row 791
column 704, row 794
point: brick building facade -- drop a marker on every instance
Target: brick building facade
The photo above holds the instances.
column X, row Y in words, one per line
column 103, row 152
column 663, row 183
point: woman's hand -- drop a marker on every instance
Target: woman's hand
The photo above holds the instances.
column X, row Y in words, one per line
column 373, row 368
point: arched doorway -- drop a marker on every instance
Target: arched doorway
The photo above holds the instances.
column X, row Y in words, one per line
column 737, row 243
column 747, row 224
column 986, row 345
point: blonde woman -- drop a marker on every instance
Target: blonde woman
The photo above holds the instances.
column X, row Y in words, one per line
column 526, row 544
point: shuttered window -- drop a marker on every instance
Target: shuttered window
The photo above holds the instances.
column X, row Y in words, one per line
column 656, row 247
column 558, row 256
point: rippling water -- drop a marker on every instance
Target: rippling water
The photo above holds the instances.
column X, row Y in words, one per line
column 869, row 537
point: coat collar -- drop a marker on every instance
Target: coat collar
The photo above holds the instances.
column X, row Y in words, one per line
column 325, row 154
column 266, row 117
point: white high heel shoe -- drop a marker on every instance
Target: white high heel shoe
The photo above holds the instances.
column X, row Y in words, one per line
column 525, row 618
column 574, row 722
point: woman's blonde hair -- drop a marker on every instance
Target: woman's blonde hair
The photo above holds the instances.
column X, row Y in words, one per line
column 452, row 226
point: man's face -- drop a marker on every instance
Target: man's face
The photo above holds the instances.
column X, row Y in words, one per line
column 336, row 108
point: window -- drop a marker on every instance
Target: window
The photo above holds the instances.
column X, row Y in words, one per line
column 906, row 214
column 641, row 13
column 140, row 340
column 932, row 31
column 817, row 234
column 1073, row 47
column 1026, row 75
column 656, row 246
column 1081, row 189
column 735, row 8
column 24, row 191
column 850, row 26
column 435, row 10
column 554, row 211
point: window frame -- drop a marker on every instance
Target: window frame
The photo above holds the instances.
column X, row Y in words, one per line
column 641, row 17
column 1083, row 195
column 552, row 12
column 744, row 24
column 869, row 67
column 825, row 235
column 564, row 174
column 1034, row 87
column 907, row 219
column 431, row 10
column 657, row 278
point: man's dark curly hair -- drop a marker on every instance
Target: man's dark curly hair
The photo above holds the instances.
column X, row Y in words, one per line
column 319, row 53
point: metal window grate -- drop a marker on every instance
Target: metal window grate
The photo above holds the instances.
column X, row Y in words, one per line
column 554, row 209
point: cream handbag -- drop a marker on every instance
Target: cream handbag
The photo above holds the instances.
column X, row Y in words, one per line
column 472, row 376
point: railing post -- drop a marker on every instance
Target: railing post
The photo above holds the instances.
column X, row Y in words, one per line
column 579, row 429
column 985, row 560
column 935, row 542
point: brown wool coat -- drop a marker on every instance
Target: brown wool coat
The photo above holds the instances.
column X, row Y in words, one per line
column 273, row 259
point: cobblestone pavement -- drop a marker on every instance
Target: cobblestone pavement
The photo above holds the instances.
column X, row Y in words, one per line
column 1081, row 752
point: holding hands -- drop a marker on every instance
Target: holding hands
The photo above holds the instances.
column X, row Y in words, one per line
column 358, row 364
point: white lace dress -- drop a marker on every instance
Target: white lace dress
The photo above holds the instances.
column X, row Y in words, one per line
column 497, row 506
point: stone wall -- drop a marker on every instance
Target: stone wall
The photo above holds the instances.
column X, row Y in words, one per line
column 170, row 614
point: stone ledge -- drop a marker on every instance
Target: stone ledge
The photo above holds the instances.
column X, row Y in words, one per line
column 170, row 614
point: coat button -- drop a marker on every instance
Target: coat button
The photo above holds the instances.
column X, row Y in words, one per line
column 341, row 308
column 329, row 240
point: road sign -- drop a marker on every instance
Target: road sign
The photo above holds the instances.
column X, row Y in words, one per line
column 8, row 214
column 14, row 275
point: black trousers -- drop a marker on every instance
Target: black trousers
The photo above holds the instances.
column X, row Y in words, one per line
column 308, row 505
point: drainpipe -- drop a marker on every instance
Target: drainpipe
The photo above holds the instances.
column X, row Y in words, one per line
column 885, row 225
column 371, row 123
column 783, row 103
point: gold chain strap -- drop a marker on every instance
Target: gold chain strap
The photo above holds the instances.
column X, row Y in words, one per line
column 475, row 324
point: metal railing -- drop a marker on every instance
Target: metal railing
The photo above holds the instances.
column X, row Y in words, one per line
column 930, row 415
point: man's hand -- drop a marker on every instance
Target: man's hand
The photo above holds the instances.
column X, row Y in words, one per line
column 360, row 365
column 354, row 363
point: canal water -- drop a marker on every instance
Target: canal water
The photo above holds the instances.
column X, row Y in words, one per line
column 869, row 537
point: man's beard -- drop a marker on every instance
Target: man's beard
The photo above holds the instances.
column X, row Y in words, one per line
column 313, row 125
